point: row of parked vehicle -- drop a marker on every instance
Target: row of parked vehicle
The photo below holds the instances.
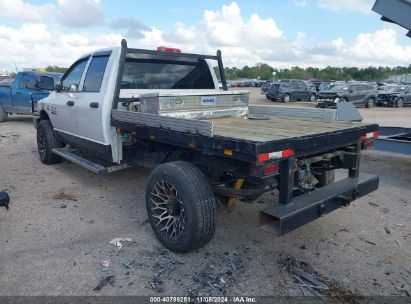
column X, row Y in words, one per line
column 21, row 95
column 328, row 94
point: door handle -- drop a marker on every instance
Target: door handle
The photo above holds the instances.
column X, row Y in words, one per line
column 70, row 103
column 94, row 105
column 18, row 93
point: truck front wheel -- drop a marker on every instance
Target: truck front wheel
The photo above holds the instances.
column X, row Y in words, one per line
column 3, row 114
column 46, row 142
column 181, row 206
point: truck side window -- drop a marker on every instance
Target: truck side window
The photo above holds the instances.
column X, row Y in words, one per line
column 27, row 81
column 95, row 74
column 71, row 81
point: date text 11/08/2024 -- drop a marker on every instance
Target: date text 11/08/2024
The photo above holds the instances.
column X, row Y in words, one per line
column 203, row 299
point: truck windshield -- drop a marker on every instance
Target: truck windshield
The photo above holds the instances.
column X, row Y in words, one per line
column 339, row 87
column 166, row 74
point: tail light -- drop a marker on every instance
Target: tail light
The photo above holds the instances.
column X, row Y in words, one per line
column 271, row 169
column 369, row 139
column 368, row 144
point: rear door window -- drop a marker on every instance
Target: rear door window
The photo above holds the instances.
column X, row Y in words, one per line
column 95, row 74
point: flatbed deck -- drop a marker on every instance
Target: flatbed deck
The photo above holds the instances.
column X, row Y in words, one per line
column 249, row 137
column 276, row 127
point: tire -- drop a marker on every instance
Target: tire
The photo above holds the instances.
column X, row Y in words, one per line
column 46, row 142
column 326, row 178
column 266, row 96
column 313, row 98
column 3, row 114
column 286, row 98
column 179, row 189
column 343, row 100
column 399, row 103
column 370, row 103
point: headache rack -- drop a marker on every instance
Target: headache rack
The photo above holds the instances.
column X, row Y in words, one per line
column 126, row 50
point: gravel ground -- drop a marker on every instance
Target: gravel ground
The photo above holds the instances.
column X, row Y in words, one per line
column 62, row 219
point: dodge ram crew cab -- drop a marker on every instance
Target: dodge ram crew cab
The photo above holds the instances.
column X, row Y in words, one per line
column 21, row 96
column 122, row 107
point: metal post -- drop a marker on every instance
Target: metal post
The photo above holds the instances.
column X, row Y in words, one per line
column 116, row 96
column 286, row 180
column 221, row 69
column 354, row 172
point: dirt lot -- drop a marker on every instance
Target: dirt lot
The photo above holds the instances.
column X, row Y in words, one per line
column 62, row 219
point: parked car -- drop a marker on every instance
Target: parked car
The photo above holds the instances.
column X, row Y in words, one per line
column 21, row 96
column 290, row 90
column 397, row 96
column 357, row 93
column 325, row 85
column 264, row 88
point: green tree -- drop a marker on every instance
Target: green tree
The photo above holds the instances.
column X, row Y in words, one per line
column 55, row 68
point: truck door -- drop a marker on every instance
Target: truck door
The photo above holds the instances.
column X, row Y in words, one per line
column 66, row 99
column 90, row 103
column 21, row 93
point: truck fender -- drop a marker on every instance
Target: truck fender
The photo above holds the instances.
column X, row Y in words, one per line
column 42, row 116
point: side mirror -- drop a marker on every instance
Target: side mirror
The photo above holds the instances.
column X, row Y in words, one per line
column 45, row 83
column 74, row 87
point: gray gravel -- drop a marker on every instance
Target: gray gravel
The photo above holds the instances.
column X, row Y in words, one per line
column 63, row 217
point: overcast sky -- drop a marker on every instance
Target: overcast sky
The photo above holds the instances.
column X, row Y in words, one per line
column 38, row 33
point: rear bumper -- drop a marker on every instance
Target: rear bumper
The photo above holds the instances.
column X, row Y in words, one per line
column 282, row 218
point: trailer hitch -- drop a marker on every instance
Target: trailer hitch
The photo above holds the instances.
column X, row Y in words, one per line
column 346, row 200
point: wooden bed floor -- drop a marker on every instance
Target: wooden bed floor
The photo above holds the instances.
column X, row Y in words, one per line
column 276, row 128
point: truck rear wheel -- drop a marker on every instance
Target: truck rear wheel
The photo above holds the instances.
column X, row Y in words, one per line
column 326, row 178
column 181, row 206
column 46, row 142
column 3, row 114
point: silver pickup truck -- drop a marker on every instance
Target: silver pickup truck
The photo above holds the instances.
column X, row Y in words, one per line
column 122, row 107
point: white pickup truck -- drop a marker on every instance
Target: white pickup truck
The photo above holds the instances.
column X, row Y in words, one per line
column 123, row 107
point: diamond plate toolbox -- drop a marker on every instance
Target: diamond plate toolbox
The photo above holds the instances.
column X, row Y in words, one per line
column 204, row 104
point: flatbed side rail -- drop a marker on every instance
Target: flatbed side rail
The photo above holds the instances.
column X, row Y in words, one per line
column 323, row 114
column 191, row 126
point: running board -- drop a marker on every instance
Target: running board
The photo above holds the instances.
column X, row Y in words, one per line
column 282, row 218
column 88, row 164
